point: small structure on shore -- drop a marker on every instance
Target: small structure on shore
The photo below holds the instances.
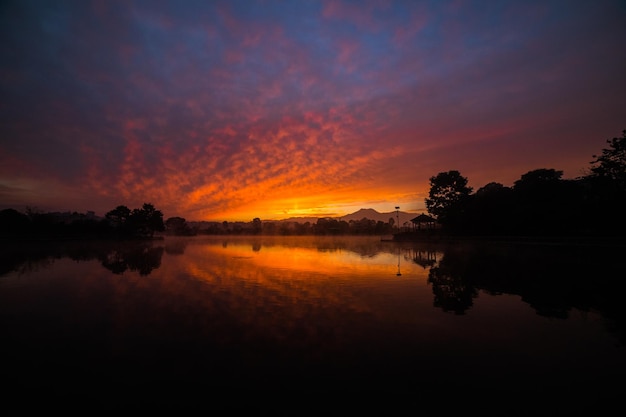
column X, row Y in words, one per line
column 423, row 227
column 424, row 222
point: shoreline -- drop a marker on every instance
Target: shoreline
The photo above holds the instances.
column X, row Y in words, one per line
column 411, row 237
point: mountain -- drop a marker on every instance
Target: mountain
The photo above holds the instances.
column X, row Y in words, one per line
column 368, row 213
column 377, row 216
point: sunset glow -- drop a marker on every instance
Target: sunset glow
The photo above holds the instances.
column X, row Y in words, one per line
column 231, row 110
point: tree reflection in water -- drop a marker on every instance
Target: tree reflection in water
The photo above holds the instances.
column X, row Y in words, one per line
column 303, row 313
column 451, row 291
column 554, row 279
column 142, row 256
column 143, row 259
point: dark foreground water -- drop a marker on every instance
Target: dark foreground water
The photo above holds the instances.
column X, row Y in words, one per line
column 192, row 321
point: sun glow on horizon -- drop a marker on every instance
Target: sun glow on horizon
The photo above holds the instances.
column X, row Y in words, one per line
column 267, row 210
column 218, row 111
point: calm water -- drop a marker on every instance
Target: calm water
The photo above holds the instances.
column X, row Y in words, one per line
column 159, row 319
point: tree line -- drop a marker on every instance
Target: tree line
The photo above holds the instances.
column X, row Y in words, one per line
column 144, row 222
column 121, row 222
column 323, row 226
column 539, row 203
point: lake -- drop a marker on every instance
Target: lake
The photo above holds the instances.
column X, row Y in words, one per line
column 153, row 321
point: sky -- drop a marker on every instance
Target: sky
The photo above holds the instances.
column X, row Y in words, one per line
column 233, row 110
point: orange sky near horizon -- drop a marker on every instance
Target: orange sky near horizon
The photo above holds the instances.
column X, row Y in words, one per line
column 233, row 110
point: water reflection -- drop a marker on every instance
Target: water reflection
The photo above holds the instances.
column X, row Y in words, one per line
column 336, row 313
column 176, row 246
column 553, row 279
column 398, row 274
column 451, row 292
column 423, row 255
column 142, row 256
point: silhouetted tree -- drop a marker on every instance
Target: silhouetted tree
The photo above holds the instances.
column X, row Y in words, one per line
column 147, row 220
column 321, row 226
column 118, row 217
column 491, row 209
column 13, row 222
column 257, row 226
column 606, row 187
column 538, row 180
column 543, row 202
column 141, row 222
column 269, row 228
column 611, row 164
column 448, row 197
column 178, row 226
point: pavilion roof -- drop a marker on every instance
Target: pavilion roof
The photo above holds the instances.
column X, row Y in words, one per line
column 423, row 218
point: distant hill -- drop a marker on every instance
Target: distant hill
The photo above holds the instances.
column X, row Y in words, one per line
column 368, row 213
column 377, row 216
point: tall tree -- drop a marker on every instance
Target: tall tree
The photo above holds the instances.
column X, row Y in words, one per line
column 257, row 226
column 538, row 179
column 118, row 217
column 177, row 226
column 139, row 222
column 542, row 202
column 448, row 197
column 538, row 186
column 611, row 164
column 606, row 187
column 491, row 209
column 13, row 222
column 147, row 220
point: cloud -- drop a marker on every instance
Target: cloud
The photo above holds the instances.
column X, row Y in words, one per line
column 239, row 109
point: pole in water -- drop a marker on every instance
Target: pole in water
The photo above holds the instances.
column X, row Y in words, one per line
column 398, row 273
